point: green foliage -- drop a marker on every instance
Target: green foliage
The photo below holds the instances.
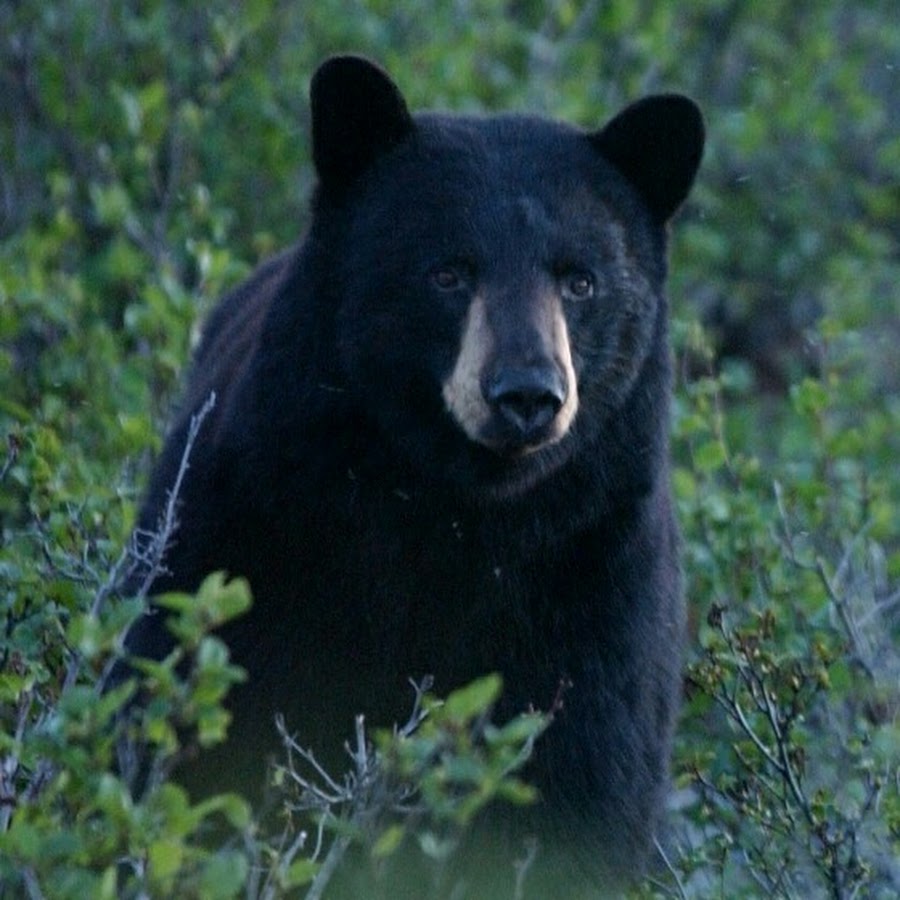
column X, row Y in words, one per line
column 72, row 823
column 153, row 152
column 457, row 759
column 791, row 741
column 409, row 797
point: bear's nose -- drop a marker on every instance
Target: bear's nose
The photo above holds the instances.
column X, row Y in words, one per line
column 527, row 399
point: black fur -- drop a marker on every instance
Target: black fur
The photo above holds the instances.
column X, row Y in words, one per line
column 380, row 542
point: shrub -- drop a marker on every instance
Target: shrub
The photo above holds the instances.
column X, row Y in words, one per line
column 789, row 750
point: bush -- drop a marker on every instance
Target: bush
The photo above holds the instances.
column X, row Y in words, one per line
column 789, row 750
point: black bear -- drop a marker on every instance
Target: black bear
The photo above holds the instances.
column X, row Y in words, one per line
column 440, row 444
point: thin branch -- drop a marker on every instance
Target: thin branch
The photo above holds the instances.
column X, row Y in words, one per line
column 523, row 866
column 670, row 868
column 324, row 875
column 860, row 653
column 853, row 546
column 271, row 889
column 32, row 885
column 834, row 585
column 127, row 562
column 168, row 523
column 12, row 454
column 787, row 769
column 736, row 711
column 339, row 792
column 879, row 608
column 151, row 557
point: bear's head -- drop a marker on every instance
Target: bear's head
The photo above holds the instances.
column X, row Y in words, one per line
column 498, row 281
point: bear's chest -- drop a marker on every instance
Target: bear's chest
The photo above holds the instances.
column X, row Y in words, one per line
column 353, row 603
column 413, row 581
column 396, row 564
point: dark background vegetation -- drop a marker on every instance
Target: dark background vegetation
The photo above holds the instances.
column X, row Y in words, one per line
column 151, row 153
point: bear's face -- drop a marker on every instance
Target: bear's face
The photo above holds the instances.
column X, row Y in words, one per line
column 500, row 285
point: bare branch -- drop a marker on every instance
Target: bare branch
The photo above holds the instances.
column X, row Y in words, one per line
column 153, row 555
column 670, row 868
column 523, row 866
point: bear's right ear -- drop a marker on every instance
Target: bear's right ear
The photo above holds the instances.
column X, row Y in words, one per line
column 657, row 144
column 358, row 114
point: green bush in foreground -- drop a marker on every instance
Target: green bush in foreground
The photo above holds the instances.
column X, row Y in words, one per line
column 72, row 825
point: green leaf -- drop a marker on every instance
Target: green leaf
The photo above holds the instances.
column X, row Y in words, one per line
column 114, row 700
column 299, row 873
column 111, row 203
column 388, row 841
column 215, row 603
column 224, row 875
column 519, row 729
column 165, row 857
column 517, row 792
column 474, row 699
column 710, row 456
column 12, row 686
column 212, row 727
column 233, row 807
column 463, row 770
column 810, row 396
column 225, row 600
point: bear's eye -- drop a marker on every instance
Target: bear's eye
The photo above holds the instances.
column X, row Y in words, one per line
column 577, row 285
column 448, row 278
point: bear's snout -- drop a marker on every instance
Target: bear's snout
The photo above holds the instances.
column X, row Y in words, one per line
column 526, row 400
column 513, row 387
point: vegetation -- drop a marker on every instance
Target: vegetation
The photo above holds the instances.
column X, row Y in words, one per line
column 151, row 153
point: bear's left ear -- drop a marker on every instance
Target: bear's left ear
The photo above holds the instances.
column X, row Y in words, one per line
column 657, row 144
column 358, row 113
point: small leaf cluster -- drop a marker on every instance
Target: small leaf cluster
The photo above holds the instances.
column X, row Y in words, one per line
column 459, row 761
column 410, row 796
